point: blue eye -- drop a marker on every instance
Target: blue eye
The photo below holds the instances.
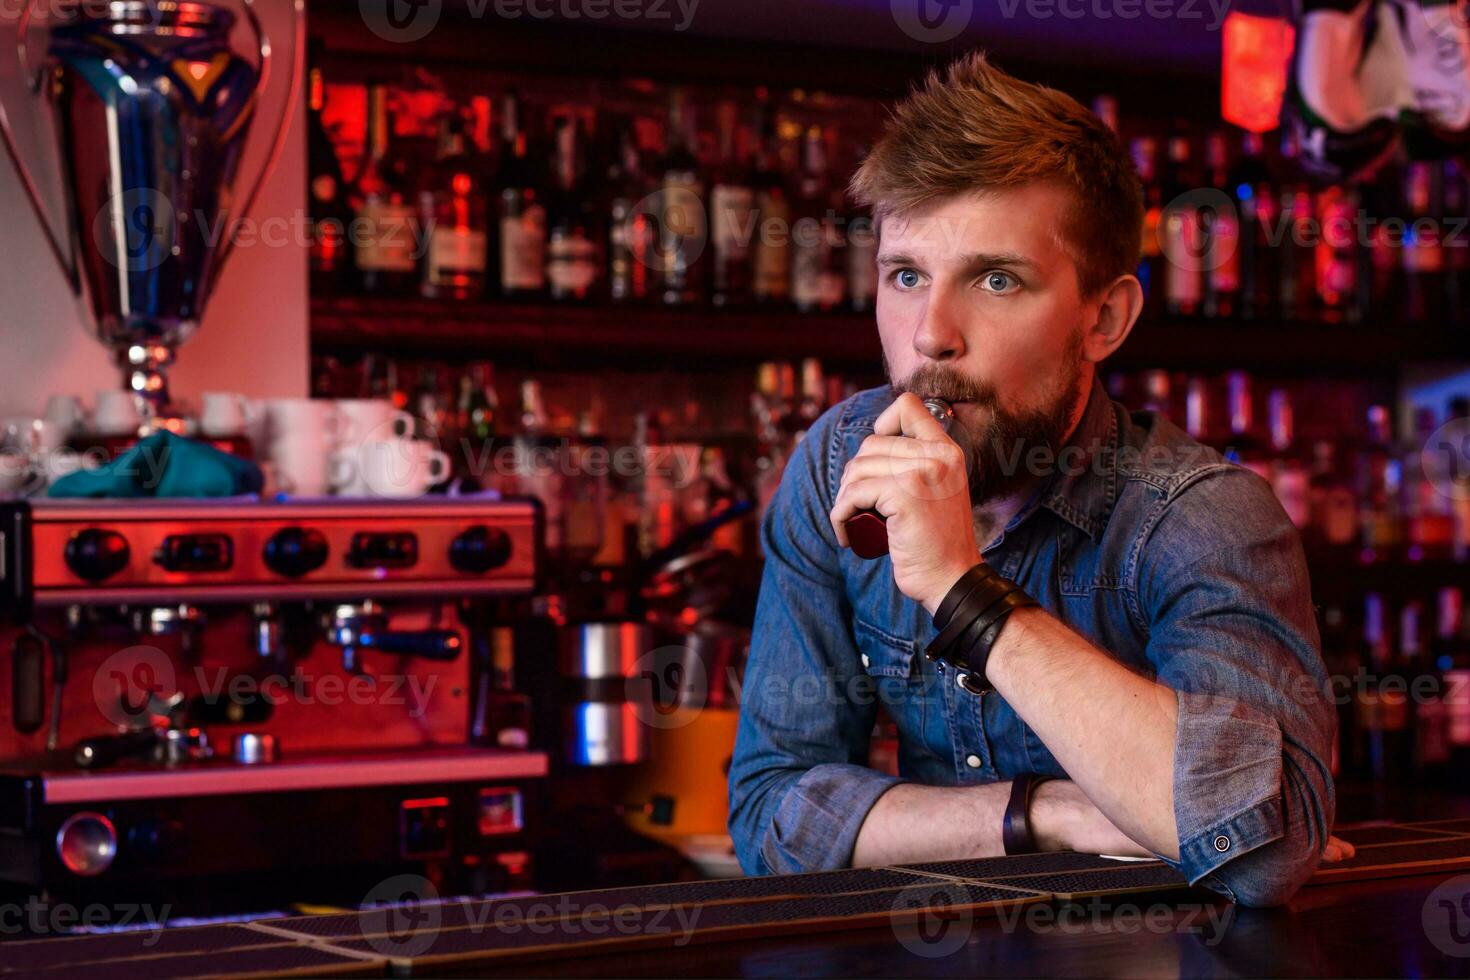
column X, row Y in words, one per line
column 998, row 282
column 906, row 278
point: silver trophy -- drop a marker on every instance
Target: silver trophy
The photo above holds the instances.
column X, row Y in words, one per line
column 149, row 108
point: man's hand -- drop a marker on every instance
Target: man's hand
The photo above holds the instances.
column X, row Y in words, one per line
column 1062, row 818
column 1336, row 850
column 913, row 474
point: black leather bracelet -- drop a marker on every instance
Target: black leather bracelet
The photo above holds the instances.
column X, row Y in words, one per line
column 966, row 642
column 1015, row 831
column 986, row 589
column 958, row 593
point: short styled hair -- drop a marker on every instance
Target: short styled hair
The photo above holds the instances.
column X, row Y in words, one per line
column 977, row 129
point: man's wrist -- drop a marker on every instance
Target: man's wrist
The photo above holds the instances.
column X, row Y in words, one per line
column 931, row 603
column 1005, row 645
column 1049, row 815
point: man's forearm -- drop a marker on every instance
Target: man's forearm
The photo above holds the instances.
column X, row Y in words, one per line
column 1112, row 730
column 912, row 823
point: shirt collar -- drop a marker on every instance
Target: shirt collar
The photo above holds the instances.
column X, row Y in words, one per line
column 1085, row 485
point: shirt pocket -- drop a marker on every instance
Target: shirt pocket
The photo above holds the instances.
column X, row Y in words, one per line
column 883, row 654
column 903, row 687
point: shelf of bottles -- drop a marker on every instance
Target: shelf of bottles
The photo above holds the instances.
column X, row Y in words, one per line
column 615, row 216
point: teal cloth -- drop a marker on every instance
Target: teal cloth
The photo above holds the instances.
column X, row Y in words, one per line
column 164, row 465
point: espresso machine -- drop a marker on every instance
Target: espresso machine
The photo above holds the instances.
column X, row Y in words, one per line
column 225, row 705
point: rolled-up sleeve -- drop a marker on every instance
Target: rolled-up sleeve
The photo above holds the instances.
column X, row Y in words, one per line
column 800, row 788
column 1226, row 599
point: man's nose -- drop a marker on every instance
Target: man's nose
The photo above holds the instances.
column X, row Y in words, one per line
column 939, row 335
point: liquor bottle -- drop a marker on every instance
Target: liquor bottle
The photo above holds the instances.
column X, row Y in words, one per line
column 454, row 213
column 573, row 262
column 1456, row 242
column 1382, row 200
column 1259, row 211
column 1150, row 272
column 1342, row 660
column 429, row 407
column 1298, row 266
column 1432, row 714
column 477, row 412
column 1337, row 255
column 1246, row 445
column 330, row 214
column 1454, row 672
column 1182, row 234
column 1220, row 227
column 630, row 233
column 813, row 393
column 772, row 258
column 682, row 256
column 1197, row 419
column 1369, row 722
column 732, row 215
column 1333, row 524
column 1423, row 250
column 520, row 208
column 818, row 265
column 1459, row 408
column 1158, row 393
column 386, row 240
column 1379, row 486
column 1429, row 528
column 1288, row 476
column 1395, row 712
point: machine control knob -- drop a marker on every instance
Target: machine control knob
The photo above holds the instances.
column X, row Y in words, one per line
column 86, row 843
column 97, row 553
column 480, row 549
column 294, row 551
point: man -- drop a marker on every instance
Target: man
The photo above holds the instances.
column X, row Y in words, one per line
column 1170, row 677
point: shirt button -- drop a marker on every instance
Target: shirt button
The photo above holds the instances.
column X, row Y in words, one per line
column 866, row 662
column 1222, row 843
column 973, row 761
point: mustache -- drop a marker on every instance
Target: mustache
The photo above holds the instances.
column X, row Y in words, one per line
column 937, row 381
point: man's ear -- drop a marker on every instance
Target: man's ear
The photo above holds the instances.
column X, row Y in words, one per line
column 1118, row 308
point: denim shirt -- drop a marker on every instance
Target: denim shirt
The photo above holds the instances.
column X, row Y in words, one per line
column 1154, row 548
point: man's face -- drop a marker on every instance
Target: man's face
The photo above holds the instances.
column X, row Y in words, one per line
column 979, row 304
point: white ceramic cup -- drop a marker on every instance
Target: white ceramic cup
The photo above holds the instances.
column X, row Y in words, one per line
column 17, row 474
column 400, row 467
column 371, row 420
column 309, row 419
column 225, row 413
column 344, row 472
column 67, row 412
column 300, row 465
column 33, row 436
column 117, row 413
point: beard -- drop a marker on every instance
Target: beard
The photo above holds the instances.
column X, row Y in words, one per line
column 1002, row 442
